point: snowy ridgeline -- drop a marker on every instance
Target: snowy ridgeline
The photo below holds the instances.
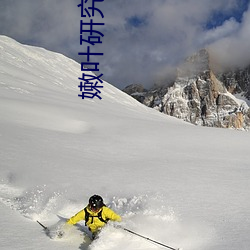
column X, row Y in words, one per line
column 179, row 184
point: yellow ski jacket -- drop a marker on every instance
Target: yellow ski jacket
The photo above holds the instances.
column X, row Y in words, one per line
column 94, row 223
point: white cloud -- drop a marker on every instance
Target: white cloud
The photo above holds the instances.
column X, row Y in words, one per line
column 233, row 50
column 170, row 31
column 228, row 28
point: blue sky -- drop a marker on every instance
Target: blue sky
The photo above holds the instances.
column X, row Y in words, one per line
column 143, row 41
column 218, row 17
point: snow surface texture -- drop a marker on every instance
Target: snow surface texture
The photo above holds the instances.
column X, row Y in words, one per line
column 181, row 185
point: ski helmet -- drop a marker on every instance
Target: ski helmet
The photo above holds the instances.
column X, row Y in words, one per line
column 95, row 202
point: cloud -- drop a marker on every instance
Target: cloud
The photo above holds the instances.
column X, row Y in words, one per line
column 48, row 23
column 228, row 28
column 143, row 39
column 233, row 49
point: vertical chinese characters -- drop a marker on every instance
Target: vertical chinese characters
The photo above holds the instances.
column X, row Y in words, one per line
column 90, row 85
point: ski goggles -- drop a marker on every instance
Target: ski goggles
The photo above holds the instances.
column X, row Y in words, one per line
column 94, row 208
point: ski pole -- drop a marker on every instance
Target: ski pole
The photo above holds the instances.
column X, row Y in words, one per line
column 45, row 228
column 146, row 238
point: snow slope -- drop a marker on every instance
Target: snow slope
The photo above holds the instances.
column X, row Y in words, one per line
column 176, row 183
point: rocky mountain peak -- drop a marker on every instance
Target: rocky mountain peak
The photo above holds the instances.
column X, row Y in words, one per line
column 202, row 97
column 194, row 65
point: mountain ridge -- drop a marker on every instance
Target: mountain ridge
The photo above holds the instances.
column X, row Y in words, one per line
column 200, row 95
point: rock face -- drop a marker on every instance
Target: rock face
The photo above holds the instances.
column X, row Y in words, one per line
column 137, row 91
column 201, row 97
column 237, row 81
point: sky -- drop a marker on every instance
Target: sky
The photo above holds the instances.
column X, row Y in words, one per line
column 143, row 40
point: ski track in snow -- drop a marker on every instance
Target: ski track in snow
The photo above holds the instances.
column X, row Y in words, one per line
column 145, row 214
column 43, row 117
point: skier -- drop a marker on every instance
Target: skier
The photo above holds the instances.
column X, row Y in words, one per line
column 95, row 214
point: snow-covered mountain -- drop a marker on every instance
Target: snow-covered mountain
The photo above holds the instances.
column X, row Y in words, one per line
column 182, row 185
column 201, row 96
